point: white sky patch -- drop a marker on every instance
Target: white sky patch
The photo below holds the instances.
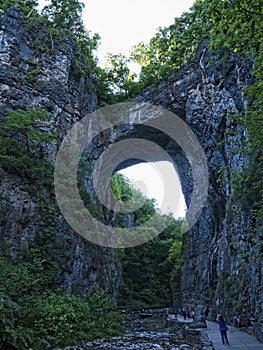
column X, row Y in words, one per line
column 149, row 179
column 124, row 23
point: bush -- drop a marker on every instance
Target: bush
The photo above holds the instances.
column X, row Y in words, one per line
column 29, row 313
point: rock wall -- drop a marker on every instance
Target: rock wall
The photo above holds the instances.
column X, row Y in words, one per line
column 222, row 269
column 38, row 71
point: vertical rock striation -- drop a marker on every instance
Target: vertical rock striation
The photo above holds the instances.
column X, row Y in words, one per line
column 38, row 71
column 222, row 269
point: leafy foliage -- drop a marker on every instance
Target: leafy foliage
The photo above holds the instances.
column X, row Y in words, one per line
column 172, row 46
column 75, row 319
column 29, row 309
column 65, row 21
column 115, row 83
column 149, row 270
column 30, row 313
column 121, row 187
column 65, row 14
column 28, row 6
column 22, row 143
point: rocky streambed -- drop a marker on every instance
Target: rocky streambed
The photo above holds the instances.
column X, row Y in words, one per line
column 152, row 333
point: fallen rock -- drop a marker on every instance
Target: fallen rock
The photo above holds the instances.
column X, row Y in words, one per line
column 199, row 322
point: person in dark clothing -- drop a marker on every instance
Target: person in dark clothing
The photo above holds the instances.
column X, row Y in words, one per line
column 223, row 329
column 175, row 311
column 184, row 313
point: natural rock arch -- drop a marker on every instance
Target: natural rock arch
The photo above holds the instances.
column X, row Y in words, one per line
column 202, row 94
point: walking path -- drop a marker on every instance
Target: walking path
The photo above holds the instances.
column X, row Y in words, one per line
column 238, row 339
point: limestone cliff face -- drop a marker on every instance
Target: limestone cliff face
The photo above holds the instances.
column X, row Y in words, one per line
column 37, row 71
column 222, row 266
column 222, row 269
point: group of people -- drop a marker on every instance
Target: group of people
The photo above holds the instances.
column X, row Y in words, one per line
column 223, row 327
column 187, row 313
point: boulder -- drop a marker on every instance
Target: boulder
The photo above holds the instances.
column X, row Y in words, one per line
column 199, row 322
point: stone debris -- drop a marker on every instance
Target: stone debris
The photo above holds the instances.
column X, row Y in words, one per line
column 199, row 322
column 151, row 334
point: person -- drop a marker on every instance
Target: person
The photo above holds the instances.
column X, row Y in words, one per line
column 193, row 314
column 166, row 310
column 223, row 329
column 175, row 311
column 184, row 313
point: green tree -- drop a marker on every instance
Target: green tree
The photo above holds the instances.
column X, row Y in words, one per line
column 149, row 269
column 121, row 187
column 24, row 127
column 172, row 46
column 31, row 311
column 22, row 141
column 65, row 14
column 122, row 81
column 65, row 20
column 105, row 95
column 29, row 7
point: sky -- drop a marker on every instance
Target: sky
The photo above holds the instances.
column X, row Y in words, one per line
column 122, row 24
column 149, row 178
